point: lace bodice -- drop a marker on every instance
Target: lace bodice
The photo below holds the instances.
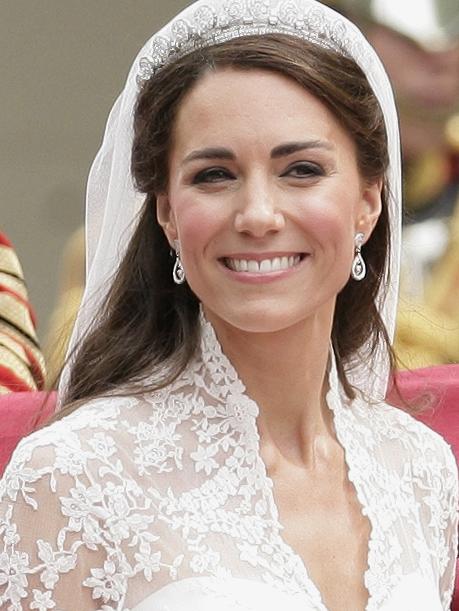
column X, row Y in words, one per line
column 162, row 502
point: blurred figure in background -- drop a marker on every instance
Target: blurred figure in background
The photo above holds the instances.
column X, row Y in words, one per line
column 419, row 45
column 71, row 287
column 22, row 366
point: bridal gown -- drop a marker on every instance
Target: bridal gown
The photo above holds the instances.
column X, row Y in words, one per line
column 161, row 502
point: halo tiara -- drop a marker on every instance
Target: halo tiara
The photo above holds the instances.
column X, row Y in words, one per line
column 209, row 25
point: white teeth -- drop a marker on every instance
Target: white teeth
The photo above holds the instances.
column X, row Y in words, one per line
column 264, row 266
column 275, row 264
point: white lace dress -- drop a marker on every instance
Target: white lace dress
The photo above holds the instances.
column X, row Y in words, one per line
column 162, row 503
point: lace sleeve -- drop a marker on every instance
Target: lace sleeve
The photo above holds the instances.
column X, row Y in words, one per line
column 449, row 526
column 55, row 550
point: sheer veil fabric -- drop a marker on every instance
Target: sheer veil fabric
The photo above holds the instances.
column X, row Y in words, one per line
column 162, row 501
column 113, row 203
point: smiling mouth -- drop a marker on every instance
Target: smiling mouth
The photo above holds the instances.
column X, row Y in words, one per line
column 264, row 266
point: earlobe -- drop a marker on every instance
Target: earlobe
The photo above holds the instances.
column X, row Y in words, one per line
column 166, row 217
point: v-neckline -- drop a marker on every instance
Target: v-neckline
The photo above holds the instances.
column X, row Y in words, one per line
column 211, row 347
column 310, row 586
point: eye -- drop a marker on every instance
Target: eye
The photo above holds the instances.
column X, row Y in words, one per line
column 212, row 175
column 304, row 169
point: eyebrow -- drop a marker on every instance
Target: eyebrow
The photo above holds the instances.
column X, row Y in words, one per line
column 293, row 147
column 282, row 150
column 210, row 153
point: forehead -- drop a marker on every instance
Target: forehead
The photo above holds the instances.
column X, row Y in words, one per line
column 261, row 105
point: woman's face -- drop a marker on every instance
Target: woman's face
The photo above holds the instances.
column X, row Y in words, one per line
column 265, row 199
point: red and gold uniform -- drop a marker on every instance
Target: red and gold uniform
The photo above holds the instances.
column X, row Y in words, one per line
column 22, row 366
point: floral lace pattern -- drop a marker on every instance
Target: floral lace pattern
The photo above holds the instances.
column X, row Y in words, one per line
column 128, row 495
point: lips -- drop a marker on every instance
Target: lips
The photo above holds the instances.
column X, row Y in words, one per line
column 262, row 265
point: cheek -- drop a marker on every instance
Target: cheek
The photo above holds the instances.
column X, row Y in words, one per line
column 329, row 223
column 197, row 224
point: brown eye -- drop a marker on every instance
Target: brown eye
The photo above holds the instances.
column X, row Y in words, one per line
column 304, row 170
column 212, row 175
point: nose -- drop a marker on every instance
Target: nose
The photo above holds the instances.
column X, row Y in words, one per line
column 258, row 214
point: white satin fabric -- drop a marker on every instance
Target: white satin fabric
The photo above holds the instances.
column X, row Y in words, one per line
column 413, row 593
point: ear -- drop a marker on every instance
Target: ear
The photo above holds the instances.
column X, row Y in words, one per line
column 369, row 208
column 166, row 217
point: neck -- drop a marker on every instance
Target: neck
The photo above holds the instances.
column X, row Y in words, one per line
column 284, row 372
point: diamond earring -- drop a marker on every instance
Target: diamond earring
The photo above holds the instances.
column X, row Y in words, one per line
column 178, row 273
column 359, row 269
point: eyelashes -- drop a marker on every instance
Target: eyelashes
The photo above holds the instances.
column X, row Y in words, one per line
column 304, row 169
column 212, row 175
column 299, row 170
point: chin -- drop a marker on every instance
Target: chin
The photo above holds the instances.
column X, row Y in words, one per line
column 257, row 317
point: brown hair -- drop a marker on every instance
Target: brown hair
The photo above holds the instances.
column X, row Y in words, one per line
column 149, row 327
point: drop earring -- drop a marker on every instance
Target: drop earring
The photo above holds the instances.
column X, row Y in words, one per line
column 359, row 269
column 178, row 273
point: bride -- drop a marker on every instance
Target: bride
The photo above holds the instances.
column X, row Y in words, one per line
column 223, row 441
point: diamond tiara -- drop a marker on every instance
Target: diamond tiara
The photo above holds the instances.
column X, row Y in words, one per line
column 207, row 26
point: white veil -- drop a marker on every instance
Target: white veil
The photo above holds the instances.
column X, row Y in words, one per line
column 113, row 204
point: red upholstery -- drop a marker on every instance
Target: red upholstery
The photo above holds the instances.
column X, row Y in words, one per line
column 435, row 392
column 20, row 413
column 434, row 388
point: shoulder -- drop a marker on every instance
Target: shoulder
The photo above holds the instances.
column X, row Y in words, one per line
column 410, row 441
column 74, row 470
column 129, row 438
column 68, row 444
column 59, row 499
column 410, row 466
column 426, row 468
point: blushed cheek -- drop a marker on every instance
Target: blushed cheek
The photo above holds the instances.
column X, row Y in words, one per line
column 198, row 225
column 330, row 223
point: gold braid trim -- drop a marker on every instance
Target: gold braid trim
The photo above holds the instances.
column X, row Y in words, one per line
column 20, row 357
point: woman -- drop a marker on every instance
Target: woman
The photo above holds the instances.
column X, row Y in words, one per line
column 192, row 472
